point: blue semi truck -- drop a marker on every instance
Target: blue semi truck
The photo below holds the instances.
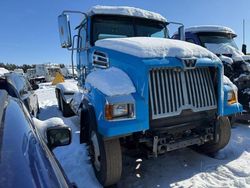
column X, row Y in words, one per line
column 138, row 87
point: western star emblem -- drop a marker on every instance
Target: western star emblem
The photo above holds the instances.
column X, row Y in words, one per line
column 189, row 63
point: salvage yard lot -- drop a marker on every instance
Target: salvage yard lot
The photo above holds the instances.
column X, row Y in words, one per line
column 181, row 168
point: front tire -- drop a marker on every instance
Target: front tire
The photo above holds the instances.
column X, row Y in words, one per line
column 224, row 132
column 106, row 158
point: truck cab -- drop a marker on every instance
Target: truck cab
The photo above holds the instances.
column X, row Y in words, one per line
column 220, row 41
column 138, row 87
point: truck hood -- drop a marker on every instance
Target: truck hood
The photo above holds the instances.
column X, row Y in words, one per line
column 226, row 49
column 149, row 47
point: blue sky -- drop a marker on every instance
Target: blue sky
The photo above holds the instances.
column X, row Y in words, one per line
column 29, row 35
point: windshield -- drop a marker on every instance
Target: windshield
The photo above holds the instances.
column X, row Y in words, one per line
column 217, row 38
column 106, row 26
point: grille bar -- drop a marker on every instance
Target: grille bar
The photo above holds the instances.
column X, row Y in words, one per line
column 174, row 90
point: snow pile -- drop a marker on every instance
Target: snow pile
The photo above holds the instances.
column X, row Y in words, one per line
column 233, row 174
column 67, row 87
column 42, row 126
column 246, row 57
column 209, row 28
column 45, row 85
column 149, row 47
column 126, row 11
column 3, row 71
column 111, row 82
column 226, row 59
column 46, row 95
column 237, row 55
column 229, row 168
column 228, row 82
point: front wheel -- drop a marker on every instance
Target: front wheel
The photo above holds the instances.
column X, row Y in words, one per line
column 106, row 158
column 224, row 133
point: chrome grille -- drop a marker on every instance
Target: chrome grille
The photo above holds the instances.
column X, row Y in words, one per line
column 174, row 90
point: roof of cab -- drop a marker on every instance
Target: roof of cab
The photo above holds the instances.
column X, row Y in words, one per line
column 210, row 28
column 126, row 11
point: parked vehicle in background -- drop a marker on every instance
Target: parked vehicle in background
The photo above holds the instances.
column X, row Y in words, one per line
column 68, row 72
column 21, row 88
column 26, row 158
column 220, row 40
column 3, row 71
column 31, row 73
column 43, row 73
column 19, row 71
column 137, row 87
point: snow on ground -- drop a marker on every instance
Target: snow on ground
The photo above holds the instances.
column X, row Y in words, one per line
column 182, row 168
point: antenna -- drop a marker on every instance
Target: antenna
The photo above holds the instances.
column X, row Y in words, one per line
column 244, row 46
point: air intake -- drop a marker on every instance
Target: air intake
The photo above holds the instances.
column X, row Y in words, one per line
column 100, row 59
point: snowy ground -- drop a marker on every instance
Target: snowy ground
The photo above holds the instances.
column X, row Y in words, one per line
column 181, row 168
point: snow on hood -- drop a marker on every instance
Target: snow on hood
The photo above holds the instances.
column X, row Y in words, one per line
column 149, row 47
column 237, row 55
column 210, row 28
column 111, row 82
column 246, row 57
column 67, row 87
column 126, row 11
column 3, row 71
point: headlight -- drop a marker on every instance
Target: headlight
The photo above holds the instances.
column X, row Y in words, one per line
column 119, row 111
column 232, row 97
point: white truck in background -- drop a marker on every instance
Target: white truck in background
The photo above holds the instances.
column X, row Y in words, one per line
column 43, row 72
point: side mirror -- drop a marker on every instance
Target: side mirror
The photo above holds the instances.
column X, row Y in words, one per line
column 181, row 33
column 244, row 49
column 58, row 136
column 64, row 31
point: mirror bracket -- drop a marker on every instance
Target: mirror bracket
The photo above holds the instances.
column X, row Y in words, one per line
column 181, row 30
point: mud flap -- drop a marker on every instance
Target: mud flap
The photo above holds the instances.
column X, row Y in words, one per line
column 87, row 119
